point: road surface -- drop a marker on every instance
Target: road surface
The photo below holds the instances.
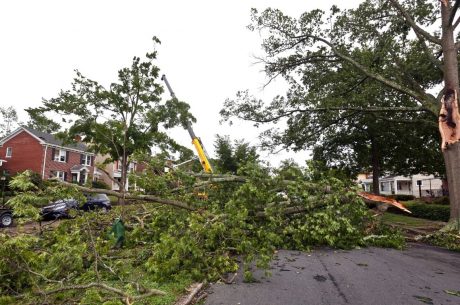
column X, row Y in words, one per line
column 420, row 275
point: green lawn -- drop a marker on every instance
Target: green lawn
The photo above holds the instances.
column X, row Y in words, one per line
column 407, row 220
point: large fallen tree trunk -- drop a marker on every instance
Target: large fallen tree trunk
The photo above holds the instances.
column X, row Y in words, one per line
column 383, row 202
column 151, row 198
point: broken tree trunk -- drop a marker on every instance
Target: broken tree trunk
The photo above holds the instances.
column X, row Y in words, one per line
column 382, row 202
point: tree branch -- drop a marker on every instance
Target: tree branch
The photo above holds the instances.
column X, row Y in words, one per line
column 414, row 25
column 431, row 57
column 195, row 288
column 110, row 177
column 127, row 298
column 174, row 203
column 325, row 109
column 453, row 12
column 422, row 98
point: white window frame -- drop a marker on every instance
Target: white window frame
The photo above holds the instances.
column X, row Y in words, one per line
column 9, row 152
column 87, row 160
column 61, row 155
column 132, row 167
column 60, row 175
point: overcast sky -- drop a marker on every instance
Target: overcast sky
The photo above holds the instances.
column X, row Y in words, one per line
column 207, row 52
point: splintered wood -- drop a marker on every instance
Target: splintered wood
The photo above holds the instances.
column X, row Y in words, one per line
column 385, row 200
column 449, row 116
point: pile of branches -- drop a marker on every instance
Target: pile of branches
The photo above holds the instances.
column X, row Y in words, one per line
column 185, row 228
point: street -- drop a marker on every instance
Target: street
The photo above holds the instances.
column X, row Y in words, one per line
column 420, row 274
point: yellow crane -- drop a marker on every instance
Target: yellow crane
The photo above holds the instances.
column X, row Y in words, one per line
column 202, row 155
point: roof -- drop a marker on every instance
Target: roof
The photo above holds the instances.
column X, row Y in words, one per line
column 46, row 138
column 78, row 168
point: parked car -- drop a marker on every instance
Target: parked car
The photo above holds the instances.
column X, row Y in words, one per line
column 6, row 217
column 97, row 201
column 61, row 208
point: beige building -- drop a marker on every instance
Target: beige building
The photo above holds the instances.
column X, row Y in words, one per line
column 113, row 173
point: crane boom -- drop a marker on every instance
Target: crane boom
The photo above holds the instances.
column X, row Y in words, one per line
column 202, row 155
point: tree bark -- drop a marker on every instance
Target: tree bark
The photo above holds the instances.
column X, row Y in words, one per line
column 452, row 152
column 452, row 160
column 375, row 166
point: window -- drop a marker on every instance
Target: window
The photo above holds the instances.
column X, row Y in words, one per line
column 9, row 152
column 119, row 165
column 86, row 160
column 59, row 174
column 132, row 167
column 60, row 155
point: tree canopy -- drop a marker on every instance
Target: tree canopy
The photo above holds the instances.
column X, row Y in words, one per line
column 232, row 156
column 8, row 120
column 118, row 121
column 356, row 77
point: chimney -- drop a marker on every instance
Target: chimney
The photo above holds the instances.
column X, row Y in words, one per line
column 78, row 138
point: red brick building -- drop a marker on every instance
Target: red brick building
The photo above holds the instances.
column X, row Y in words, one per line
column 26, row 148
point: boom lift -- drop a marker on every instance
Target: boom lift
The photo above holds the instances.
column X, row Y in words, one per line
column 202, row 155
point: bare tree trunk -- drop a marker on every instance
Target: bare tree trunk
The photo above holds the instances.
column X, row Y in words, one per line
column 452, row 160
column 375, row 166
column 124, row 170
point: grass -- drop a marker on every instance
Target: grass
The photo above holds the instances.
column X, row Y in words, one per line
column 391, row 218
column 412, row 226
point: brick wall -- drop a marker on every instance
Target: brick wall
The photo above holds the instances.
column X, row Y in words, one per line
column 73, row 159
column 27, row 154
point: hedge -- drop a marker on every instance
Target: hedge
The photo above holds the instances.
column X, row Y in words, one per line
column 435, row 212
column 441, row 200
column 402, row 197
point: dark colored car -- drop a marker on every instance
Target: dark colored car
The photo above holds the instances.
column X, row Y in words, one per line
column 97, row 202
column 61, row 208
column 6, row 217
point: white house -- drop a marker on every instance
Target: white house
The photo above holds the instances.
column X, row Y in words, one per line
column 416, row 185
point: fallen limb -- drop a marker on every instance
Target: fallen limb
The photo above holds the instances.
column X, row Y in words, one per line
column 194, row 289
column 125, row 297
column 175, row 203
column 229, row 280
column 213, row 179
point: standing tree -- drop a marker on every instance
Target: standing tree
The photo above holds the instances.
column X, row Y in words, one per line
column 8, row 119
column 406, row 59
column 38, row 121
column 231, row 156
column 118, row 121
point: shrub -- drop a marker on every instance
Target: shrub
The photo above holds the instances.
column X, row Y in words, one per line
column 444, row 200
column 435, row 212
column 100, row 185
column 402, row 197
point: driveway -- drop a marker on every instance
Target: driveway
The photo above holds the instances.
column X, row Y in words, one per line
column 420, row 274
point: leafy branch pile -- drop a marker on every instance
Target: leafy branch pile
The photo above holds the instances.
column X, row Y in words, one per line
column 242, row 221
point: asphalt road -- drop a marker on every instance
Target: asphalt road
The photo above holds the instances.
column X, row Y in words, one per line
column 418, row 275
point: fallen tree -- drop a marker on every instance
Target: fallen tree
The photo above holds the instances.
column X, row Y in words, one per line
column 181, row 238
